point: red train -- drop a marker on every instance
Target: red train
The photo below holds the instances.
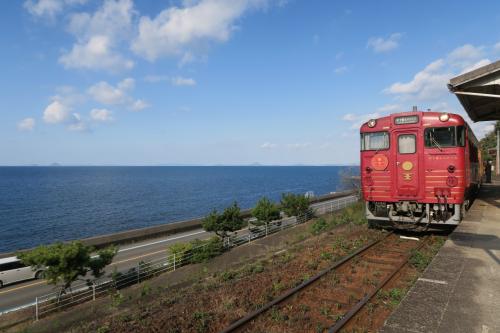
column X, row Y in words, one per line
column 418, row 169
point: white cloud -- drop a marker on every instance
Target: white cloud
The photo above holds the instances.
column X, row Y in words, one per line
column 27, row 124
column 182, row 81
column 155, row 78
column 56, row 113
column 268, row 145
column 49, row 8
column 139, row 105
column 464, row 55
column 105, row 93
column 497, row 47
column 480, row 63
column 95, row 54
column 380, row 44
column 101, row 115
column 179, row 31
column 113, row 19
column 77, row 124
column 430, row 83
column 341, row 70
column 298, row 145
column 98, row 37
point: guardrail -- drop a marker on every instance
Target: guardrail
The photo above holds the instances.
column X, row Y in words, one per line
column 144, row 270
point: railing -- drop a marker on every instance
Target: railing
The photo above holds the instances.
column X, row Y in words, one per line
column 83, row 292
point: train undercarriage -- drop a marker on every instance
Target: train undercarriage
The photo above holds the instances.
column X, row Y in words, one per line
column 413, row 214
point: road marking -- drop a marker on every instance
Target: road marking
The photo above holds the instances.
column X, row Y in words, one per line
column 160, row 241
column 432, row 281
column 22, row 287
column 138, row 257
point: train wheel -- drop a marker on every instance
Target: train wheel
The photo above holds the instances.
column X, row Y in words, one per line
column 1, row 284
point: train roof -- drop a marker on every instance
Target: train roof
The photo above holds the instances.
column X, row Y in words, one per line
column 428, row 116
column 479, row 92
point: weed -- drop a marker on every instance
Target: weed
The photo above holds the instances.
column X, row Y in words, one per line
column 318, row 226
column 420, row 260
column 228, row 275
column 335, row 279
column 326, row 256
column 312, row 264
column 103, row 329
column 278, row 286
column 276, row 315
column 306, row 277
column 304, row 308
column 396, row 295
column 300, row 237
column 201, row 321
column 116, row 299
column 145, row 290
column 325, row 311
column 286, row 257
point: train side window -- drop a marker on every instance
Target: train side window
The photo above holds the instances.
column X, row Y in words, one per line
column 461, row 136
column 407, row 144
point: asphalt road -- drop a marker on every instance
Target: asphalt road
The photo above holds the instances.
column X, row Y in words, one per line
column 23, row 294
column 20, row 294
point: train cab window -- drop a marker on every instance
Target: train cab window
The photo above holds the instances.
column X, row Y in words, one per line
column 407, row 144
column 374, row 141
column 437, row 137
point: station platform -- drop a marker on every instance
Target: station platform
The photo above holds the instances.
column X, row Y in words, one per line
column 460, row 289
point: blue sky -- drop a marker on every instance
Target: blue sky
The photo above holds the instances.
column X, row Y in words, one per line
column 122, row 82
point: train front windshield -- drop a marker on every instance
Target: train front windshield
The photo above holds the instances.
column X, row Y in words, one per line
column 374, row 141
column 437, row 137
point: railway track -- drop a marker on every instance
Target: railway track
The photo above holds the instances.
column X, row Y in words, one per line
column 333, row 297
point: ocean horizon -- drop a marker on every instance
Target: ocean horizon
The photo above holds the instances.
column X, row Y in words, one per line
column 45, row 204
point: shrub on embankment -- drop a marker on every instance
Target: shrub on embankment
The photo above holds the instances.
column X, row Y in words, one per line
column 352, row 214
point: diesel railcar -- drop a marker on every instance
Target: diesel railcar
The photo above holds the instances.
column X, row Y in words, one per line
column 418, row 169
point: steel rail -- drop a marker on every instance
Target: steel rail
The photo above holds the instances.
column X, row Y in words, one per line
column 242, row 321
column 358, row 306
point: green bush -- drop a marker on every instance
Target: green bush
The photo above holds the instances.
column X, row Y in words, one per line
column 181, row 251
column 265, row 211
column 229, row 221
column 318, row 226
column 294, row 204
column 204, row 250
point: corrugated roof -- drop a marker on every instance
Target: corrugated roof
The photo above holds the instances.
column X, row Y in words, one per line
column 479, row 92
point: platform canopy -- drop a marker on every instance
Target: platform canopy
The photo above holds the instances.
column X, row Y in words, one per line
column 479, row 92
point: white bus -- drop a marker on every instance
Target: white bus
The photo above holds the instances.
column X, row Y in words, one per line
column 12, row 270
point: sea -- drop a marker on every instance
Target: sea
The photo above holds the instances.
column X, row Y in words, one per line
column 42, row 205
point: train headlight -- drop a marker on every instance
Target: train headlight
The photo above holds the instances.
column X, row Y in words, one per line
column 452, row 181
column 444, row 117
column 371, row 123
column 451, row 168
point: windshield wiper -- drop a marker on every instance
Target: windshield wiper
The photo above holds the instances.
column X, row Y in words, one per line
column 435, row 142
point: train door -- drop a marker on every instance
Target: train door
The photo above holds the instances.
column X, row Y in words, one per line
column 407, row 164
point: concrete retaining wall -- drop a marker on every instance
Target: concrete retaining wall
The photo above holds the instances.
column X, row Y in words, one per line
column 135, row 235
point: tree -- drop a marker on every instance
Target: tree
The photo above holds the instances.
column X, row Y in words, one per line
column 229, row 221
column 294, row 204
column 489, row 142
column 265, row 211
column 64, row 263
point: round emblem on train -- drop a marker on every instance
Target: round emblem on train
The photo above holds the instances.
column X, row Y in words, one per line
column 407, row 165
column 379, row 162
